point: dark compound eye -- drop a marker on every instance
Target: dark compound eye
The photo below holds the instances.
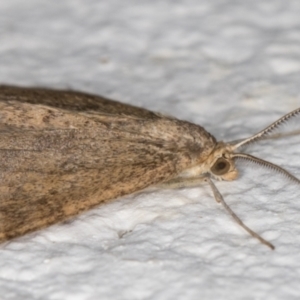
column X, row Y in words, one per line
column 220, row 167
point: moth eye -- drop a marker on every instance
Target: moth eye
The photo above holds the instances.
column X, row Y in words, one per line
column 220, row 167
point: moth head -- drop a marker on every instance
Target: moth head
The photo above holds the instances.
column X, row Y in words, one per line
column 222, row 159
column 221, row 163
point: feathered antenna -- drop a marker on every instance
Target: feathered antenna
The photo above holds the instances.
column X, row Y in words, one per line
column 267, row 164
column 266, row 131
column 263, row 133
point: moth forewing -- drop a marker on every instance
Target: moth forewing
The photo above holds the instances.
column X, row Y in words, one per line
column 58, row 160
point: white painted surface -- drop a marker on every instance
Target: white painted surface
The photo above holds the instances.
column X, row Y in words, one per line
column 232, row 66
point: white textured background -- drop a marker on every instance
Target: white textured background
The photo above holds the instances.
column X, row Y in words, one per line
column 232, row 66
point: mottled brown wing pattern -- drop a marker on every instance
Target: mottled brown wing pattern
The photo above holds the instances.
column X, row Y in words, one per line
column 58, row 161
column 72, row 100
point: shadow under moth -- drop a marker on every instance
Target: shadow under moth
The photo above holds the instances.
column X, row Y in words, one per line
column 64, row 152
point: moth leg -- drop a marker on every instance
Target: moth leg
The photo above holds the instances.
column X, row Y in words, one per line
column 182, row 182
column 219, row 198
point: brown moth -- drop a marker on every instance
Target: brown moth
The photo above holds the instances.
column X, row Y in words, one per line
column 64, row 152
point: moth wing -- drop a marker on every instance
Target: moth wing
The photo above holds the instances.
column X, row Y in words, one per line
column 56, row 163
column 72, row 101
column 64, row 152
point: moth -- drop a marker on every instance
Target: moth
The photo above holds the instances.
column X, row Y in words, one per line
column 64, row 152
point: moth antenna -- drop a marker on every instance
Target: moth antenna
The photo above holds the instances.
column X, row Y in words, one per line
column 266, row 131
column 267, row 164
column 219, row 198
